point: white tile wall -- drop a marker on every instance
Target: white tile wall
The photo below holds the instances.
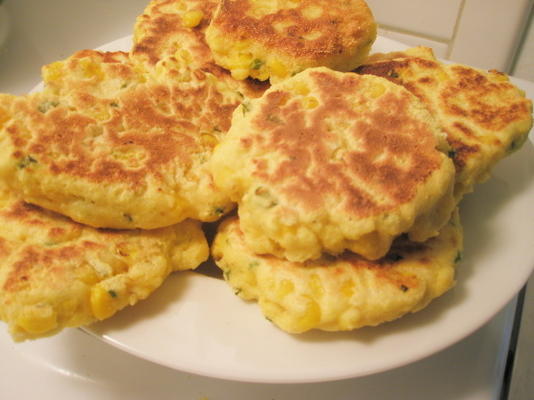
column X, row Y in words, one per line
column 489, row 32
column 524, row 63
column 441, row 49
column 431, row 18
column 482, row 33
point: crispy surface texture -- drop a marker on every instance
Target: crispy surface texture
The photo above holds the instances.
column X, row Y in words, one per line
column 343, row 293
column 112, row 147
column 276, row 39
column 55, row 273
column 483, row 114
column 169, row 39
column 120, row 140
column 328, row 161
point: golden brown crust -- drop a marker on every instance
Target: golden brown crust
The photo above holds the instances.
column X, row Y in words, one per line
column 161, row 29
column 160, row 36
column 136, row 125
column 309, row 175
column 56, row 273
column 314, row 30
column 484, row 115
column 112, row 146
column 327, row 161
column 344, row 292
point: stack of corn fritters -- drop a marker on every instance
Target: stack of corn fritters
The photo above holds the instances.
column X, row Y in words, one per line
column 346, row 173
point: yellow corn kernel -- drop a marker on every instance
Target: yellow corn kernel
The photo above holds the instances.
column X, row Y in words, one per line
column 310, row 317
column 239, row 73
column 242, row 60
column 184, row 55
column 91, row 70
column 100, row 115
column 218, row 44
column 312, row 12
column 4, row 117
column 86, row 275
column 281, row 26
column 316, row 286
column 347, row 289
column 442, row 76
column 377, row 91
column 284, row 288
column 310, row 102
column 277, row 68
column 499, row 76
column 238, row 45
column 53, row 71
column 103, row 302
column 37, row 320
column 192, row 18
column 301, row 88
column 262, row 75
column 208, row 140
column 224, row 177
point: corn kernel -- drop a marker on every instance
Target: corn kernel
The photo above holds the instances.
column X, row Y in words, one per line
column 312, row 12
column 315, row 286
column 102, row 302
column 310, row 318
column 184, row 55
column 239, row 73
column 310, row 102
column 100, row 115
column 442, row 76
column 499, row 76
column 208, row 140
column 52, row 72
column 86, row 275
column 263, row 75
column 242, row 60
column 4, row 117
column 302, row 89
column 38, row 320
column 91, row 70
column 277, row 68
column 377, row 91
column 192, row 18
column 284, row 288
column 224, row 177
column 347, row 289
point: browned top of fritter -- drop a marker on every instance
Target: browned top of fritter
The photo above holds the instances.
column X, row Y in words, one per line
column 37, row 262
column 160, row 31
column 311, row 29
column 372, row 153
column 148, row 132
column 473, row 107
column 85, row 70
column 160, row 34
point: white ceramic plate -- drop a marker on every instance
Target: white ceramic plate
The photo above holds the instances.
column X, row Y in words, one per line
column 194, row 323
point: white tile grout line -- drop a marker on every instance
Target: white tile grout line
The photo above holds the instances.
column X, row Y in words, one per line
column 412, row 33
column 455, row 29
column 529, row 19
